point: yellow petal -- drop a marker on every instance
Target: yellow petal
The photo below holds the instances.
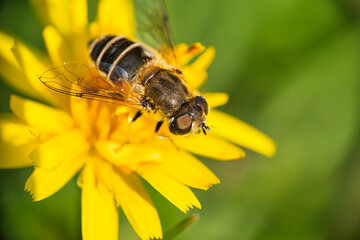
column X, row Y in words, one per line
column 209, row 146
column 17, row 141
column 131, row 195
column 55, row 46
column 102, row 124
column 80, row 114
column 44, row 182
column 33, row 66
column 12, row 131
column 44, row 118
column 128, row 154
column 195, row 73
column 16, row 156
column 184, row 53
column 114, row 17
column 188, row 170
column 177, row 193
column 139, row 209
column 10, row 69
column 48, row 154
column 216, row 99
column 240, row 133
column 189, row 52
column 68, row 16
column 5, row 49
column 78, row 15
column 98, row 211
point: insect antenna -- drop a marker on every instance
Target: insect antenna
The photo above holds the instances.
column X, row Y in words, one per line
column 205, row 128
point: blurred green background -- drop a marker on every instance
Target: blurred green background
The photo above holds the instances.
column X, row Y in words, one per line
column 291, row 68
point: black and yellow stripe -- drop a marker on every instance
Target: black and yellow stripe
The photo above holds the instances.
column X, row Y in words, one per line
column 118, row 57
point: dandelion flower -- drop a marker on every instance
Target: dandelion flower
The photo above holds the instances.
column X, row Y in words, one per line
column 69, row 136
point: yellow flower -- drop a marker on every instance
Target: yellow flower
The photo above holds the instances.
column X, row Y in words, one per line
column 96, row 139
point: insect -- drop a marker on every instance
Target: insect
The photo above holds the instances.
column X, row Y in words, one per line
column 133, row 74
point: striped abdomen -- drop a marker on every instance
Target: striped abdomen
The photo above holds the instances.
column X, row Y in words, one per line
column 118, row 57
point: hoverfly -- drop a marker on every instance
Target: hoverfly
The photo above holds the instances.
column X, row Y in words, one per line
column 133, row 74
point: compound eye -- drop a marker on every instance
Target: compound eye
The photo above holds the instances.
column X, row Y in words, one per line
column 201, row 102
column 181, row 124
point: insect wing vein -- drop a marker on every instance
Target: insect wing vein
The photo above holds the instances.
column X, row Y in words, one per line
column 153, row 27
column 83, row 81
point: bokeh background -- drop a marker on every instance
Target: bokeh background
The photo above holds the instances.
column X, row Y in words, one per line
column 292, row 69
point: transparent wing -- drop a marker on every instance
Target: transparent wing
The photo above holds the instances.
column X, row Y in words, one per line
column 83, row 81
column 153, row 27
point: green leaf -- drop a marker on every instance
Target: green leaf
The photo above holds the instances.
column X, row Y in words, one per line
column 181, row 227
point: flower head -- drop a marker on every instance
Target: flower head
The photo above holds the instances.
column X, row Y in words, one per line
column 98, row 140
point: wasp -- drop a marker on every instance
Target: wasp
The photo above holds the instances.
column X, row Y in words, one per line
column 132, row 73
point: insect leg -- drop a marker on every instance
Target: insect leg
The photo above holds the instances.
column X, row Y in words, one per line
column 158, row 126
column 137, row 115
